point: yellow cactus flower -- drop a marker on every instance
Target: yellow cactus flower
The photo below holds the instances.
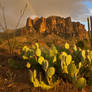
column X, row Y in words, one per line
column 35, row 74
column 62, row 54
column 89, row 56
column 65, row 70
column 80, row 64
column 83, row 54
column 68, row 59
column 60, row 57
column 38, row 52
column 31, row 56
column 28, row 65
column 36, row 83
column 75, row 48
column 45, row 86
column 55, row 59
column 66, row 46
column 40, row 59
column 24, row 57
column 37, row 45
column 33, row 46
column 79, row 49
column 25, row 48
column 73, row 61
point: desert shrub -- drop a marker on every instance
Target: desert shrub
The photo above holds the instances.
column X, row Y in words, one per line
column 80, row 44
column 83, row 44
column 14, row 63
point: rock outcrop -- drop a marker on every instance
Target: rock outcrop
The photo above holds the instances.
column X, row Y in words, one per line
column 63, row 27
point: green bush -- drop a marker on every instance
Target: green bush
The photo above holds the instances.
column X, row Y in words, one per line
column 83, row 44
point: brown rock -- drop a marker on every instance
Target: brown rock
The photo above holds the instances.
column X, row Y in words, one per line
column 35, row 20
column 63, row 27
column 43, row 25
column 29, row 24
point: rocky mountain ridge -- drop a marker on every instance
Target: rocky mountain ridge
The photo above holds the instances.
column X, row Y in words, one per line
column 63, row 27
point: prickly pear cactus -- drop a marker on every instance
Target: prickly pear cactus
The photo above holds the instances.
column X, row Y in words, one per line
column 40, row 60
column 72, row 70
column 45, row 65
column 68, row 59
column 50, row 72
column 80, row 83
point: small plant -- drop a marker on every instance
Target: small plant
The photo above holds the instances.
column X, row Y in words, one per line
column 16, row 64
column 80, row 83
column 12, row 63
column 80, row 44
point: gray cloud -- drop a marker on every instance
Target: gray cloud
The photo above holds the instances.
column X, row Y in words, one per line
column 74, row 8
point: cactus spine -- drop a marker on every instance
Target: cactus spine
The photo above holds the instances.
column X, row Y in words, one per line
column 90, row 30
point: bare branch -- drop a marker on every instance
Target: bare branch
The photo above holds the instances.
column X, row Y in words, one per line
column 21, row 15
column 2, row 26
column 4, row 17
column 1, row 7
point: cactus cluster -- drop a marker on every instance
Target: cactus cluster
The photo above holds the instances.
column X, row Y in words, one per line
column 46, row 70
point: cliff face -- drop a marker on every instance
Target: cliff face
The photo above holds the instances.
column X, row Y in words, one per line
column 63, row 27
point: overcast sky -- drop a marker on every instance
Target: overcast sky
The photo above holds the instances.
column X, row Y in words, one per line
column 78, row 10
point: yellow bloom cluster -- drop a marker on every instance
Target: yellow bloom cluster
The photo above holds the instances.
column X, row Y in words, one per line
column 26, row 49
column 28, row 65
column 40, row 59
column 38, row 52
column 75, row 48
column 63, row 54
column 66, row 45
column 37, row 45
column 24, row 57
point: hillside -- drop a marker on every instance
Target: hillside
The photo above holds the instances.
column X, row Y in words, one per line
column 50, row 30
